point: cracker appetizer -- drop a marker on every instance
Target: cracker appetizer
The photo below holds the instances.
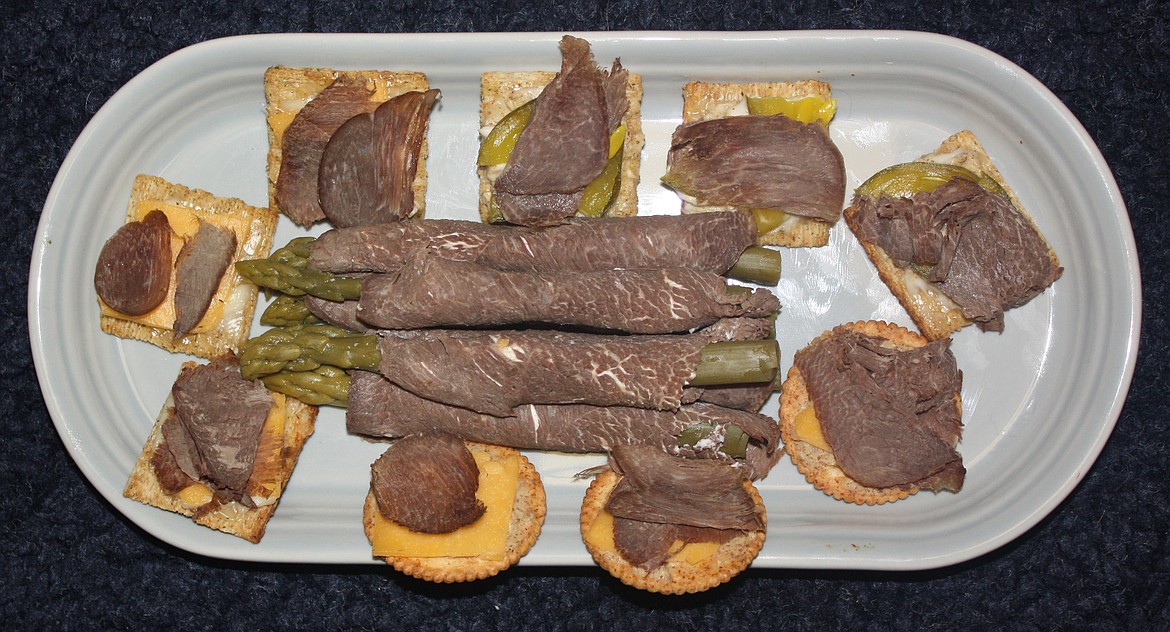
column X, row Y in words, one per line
column 558, row 145
column 443, row 510
column 762, row 147
column 871, row 413
column 347, row 146
column 222, row 449
column 671, row 525
column 167, row 275
column 951, row 240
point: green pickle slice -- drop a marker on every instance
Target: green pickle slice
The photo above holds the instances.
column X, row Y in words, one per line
column 500, row 142
column 601, row 191
column 909, row 178
column 498, row 145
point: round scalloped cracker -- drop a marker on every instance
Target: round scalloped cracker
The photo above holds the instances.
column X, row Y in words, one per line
column 818, row 466
column 528, row 513
column 675, row 577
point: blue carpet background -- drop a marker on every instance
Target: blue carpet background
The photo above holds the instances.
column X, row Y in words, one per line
column 1101, row 560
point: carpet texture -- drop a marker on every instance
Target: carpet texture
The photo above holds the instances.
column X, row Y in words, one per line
column 1101, row 559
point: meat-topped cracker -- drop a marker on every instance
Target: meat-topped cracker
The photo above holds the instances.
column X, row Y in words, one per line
column 503, row 99
column 288, row 91
column 951, row 240
column 202, row 286
column 914, row 451
column 200, row 415
column 671, row 525
column 706, row 163
column 512, row 496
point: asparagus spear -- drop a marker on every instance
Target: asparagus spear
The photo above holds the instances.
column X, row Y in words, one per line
column 288, row 310
column 323, row 386
column 758, row 265
column 307, row 348
column 287, row 270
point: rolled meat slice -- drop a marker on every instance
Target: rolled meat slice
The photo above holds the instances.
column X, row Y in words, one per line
column 706, row 241
column 379, row 408
column 493, row 372
column 431, row 291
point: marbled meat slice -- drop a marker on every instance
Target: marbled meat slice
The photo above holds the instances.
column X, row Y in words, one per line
column 385, row 247
column 566, row 144
column 704, row 241
column 431, row 291
column 890, row 415
column 216, row 428
column 198, row 269
column 304, row 141
column 134, row 268
column 427, row 482
column 759, row 162
column 495, row 371
column 658, row 487
column 368, row 167
column 979, row 249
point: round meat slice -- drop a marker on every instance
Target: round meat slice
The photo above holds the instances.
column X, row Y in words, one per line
column 368, row 167
column 427, row 483
column 134, row 268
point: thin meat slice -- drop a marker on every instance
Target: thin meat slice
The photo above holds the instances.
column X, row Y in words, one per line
column 379, row 408
column 890, row 415
column 171, row 478
column 304, row 141
column 432, row 291
column 658, row 487
column 384, row 248
column 493, row 372
column 707, row 241
column 201, row 264
column 215, row 430
column 368, row 167
column 341, row 314
column 769, row 162
column 427, row 483
column 650, row 544
column 566, row 144
column 134, row 268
